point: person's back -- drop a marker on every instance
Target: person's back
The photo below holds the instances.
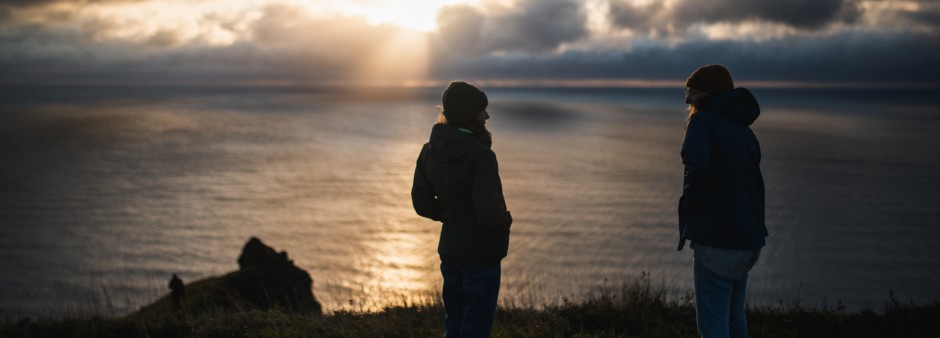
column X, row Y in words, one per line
column 457, row 182
column 722, row 206
column 461, row 172
column 728, row 211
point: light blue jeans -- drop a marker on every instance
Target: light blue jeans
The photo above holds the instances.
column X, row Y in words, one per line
column 470, row 294
column 719, row 305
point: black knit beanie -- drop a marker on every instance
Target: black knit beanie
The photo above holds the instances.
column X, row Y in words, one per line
column 463, row 102
column 714, row 79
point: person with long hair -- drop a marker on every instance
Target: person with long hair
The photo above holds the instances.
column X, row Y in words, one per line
column 457, row 182
column 721, row 210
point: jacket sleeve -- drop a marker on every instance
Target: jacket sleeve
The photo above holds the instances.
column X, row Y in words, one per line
column 488, row 195
column 697, row 151
column 422, row 195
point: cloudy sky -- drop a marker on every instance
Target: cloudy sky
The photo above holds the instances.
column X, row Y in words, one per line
column 512, row 42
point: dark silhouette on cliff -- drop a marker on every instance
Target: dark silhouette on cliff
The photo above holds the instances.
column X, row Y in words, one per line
column 266, row 279
column 177, row 290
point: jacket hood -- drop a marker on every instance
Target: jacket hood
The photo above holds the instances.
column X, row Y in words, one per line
column 450, row 144
column 738, row 104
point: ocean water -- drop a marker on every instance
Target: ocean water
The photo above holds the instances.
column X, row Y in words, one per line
column 105, row 192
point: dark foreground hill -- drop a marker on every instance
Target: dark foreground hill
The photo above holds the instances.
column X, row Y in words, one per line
column 270, row 297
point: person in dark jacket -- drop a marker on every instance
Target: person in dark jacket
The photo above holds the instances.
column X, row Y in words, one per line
column 178, row 290
column 722, row 206
column 457, row 183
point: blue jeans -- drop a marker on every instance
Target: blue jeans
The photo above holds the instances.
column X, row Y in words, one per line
column 719, row 305
column 470, row 294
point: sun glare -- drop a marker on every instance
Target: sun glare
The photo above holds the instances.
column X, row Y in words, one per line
column 419, row 15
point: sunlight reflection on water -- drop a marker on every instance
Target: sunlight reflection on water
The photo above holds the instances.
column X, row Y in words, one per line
column 101, row 197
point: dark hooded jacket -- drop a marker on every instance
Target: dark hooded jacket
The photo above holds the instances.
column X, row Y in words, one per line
column 457, row 182
column 722, row 202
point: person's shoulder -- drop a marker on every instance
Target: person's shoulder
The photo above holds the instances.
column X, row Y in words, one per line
column 483, row 153
column 425, row 148
column 702, row 117
column 711, row 116
column 481, row 149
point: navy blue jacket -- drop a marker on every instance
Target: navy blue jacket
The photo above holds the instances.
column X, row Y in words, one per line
column 722, row 202
column 457, row 182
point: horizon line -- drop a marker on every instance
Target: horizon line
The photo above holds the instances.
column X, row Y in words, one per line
column 489, row 83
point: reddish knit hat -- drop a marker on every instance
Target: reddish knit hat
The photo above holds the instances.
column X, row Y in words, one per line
column 714, row 79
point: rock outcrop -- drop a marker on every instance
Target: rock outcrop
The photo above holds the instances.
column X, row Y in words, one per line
column 269, row 279
column 266, row 279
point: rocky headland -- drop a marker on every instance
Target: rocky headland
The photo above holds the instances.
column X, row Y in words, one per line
column 266, row 279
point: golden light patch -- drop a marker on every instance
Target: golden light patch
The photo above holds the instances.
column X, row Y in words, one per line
column 418, row 15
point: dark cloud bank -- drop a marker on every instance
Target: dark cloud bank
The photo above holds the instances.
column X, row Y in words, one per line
column 801, row 14
column 532, row 40
column 816, row 52
column 849, row 57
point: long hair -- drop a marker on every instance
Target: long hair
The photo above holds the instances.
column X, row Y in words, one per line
column 479, row 129
column 692, row 109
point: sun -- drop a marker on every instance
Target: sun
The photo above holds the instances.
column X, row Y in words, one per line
column 418, row 15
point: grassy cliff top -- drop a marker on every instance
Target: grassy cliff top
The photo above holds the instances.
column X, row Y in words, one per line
column 633, row 311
